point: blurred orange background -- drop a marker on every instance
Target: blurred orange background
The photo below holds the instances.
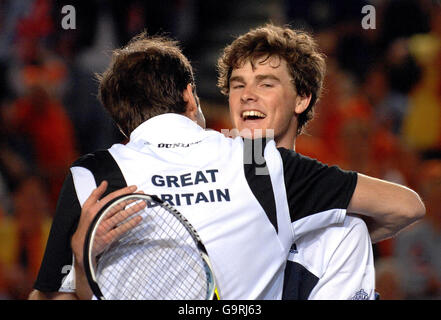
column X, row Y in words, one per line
column 380, row 113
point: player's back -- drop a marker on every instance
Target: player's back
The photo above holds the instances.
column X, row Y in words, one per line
column 213, row 182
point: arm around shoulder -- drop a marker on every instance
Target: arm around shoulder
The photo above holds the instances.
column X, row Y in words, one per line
column 391, row 206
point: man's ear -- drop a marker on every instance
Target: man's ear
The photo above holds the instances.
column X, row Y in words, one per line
column 302, row 103
column 193, row 109
column 190, row 99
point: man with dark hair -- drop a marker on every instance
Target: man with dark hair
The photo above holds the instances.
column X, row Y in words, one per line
column 148, row 77
column 236, row 210
column 273, row 78
column 129, row 90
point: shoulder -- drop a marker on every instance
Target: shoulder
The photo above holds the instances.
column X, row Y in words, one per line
column 290, row 156
column 92, row 160
column 91, row 169
column 355, row 233
column 329, row 238
column 337, row 241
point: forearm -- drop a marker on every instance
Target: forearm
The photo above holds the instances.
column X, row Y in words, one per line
column 377, row 231
column 82, row 287
column 387, row 208
column 90, row 208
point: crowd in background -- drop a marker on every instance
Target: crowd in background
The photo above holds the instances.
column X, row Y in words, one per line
column 380, row 112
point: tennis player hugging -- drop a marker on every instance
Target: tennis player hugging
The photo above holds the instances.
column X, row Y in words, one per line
column 253, row 225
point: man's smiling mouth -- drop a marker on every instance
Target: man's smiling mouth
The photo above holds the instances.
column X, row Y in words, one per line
column 253, row 115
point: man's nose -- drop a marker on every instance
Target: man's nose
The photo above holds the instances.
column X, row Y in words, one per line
column 248, row 94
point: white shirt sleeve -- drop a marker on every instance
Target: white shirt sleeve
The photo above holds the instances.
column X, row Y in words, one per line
column 341, row 257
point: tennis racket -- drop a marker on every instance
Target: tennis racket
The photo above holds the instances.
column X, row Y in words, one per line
column 141, row 248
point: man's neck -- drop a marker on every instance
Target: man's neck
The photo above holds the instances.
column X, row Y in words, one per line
column 289, row 144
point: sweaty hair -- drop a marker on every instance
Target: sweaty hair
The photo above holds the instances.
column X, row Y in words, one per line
column 306, row 64
column 146, row 78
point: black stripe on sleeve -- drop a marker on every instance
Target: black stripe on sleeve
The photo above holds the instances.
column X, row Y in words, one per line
column 314, row 187
column 58, row 254
column 258, row 178
column 104, row 167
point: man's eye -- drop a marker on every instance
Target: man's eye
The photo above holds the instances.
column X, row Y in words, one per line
column 237, row 86
column 267, row 85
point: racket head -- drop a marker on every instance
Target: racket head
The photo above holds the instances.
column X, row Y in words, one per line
column 171, row 248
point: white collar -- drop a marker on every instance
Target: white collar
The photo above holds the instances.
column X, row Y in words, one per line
column 167, row 128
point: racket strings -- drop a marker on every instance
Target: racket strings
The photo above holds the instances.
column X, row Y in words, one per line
column 157, row 259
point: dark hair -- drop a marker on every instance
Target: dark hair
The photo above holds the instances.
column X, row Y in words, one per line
column 305, row 64
column 146, row 78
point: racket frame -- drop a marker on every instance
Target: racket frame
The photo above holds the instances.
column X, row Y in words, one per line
column 90, row 235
